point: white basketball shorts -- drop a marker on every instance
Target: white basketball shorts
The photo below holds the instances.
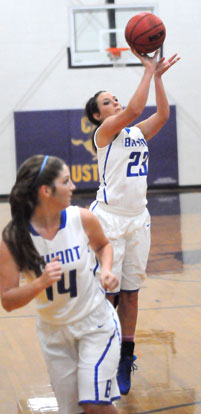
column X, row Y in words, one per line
column 82, row 359
column 130, row 239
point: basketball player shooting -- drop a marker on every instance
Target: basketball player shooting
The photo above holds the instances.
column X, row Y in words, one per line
column 121, row 201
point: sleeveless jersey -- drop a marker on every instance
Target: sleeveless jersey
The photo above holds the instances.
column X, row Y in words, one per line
column 78, row 292
column 123, row 168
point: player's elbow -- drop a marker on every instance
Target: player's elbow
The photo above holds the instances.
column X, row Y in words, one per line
column 167, row 114
column 164, row 116
column 138, row 112
column 134, row 114
column 7, row 305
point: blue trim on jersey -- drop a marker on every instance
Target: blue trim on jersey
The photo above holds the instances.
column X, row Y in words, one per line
column 32, row 230
column 63, row 221
column 99, row 402
column 102, row 290
column 98, row 363
column 95, row 267
column 117, row 329
column 105, row 196
column 115, row 398
column 127, row 130
column 94, row 206
column 106, row 159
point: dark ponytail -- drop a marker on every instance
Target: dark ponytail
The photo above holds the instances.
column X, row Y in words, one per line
column 90, row 109
column 33, row 173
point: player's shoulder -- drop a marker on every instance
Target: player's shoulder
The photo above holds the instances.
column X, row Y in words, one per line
column 80, row 213
column 74, row 218
column 135, row 130
column 69, row 215
column 136, row 133
column 131, row 130
column 72, row 211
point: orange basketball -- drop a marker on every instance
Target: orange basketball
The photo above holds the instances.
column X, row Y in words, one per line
column 145, row 32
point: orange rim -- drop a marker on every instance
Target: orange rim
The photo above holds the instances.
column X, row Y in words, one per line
column 116, row 51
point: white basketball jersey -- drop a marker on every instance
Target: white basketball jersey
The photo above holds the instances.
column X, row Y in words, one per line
column 123, row 168
column 78, row 292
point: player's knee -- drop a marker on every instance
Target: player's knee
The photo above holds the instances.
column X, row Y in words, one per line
column 99, row 409
column 127, row 298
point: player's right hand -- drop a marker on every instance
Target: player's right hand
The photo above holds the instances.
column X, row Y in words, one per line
column 146, row 60
column 52, row 272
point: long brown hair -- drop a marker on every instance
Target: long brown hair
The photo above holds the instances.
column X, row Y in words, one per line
column 34, row 172
column 91, row 108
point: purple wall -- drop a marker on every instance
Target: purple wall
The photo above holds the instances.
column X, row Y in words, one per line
column 66, row 133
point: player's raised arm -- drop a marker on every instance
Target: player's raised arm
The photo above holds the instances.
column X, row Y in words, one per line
column 154, row 123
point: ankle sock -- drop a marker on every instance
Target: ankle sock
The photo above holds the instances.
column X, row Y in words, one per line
column 127, row 348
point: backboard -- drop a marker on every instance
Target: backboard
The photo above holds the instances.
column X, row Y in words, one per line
column 95, row 29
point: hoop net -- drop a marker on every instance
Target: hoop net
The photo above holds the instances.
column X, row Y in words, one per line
column 114, row 54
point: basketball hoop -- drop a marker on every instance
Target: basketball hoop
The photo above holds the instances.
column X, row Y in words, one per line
column 114, row 53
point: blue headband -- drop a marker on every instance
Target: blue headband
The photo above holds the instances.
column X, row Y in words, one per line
column 42, row 167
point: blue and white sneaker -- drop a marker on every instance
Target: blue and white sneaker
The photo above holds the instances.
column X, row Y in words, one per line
column 126, row 366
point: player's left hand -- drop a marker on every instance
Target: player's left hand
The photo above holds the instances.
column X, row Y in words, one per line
column 163, row 65
column 109, row 280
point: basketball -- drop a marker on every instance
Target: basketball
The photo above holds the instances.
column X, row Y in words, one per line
column 145, row 32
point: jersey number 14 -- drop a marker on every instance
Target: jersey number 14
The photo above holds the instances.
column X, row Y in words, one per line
column 61, row 286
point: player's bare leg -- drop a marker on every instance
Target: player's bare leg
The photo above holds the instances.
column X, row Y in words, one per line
column 99, row 409
column 127, row 311
column 111, row 298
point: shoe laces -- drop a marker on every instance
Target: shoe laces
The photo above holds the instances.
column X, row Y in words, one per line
column 134, row 366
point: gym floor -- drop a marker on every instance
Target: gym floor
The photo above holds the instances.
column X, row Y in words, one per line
column 168, row 337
